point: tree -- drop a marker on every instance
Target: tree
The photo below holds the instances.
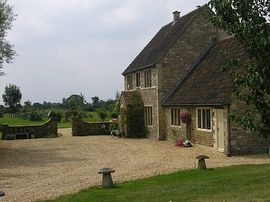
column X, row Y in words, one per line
column 95, row 102
column 102, row 115
column 12, row 97
column 6, row 17
column 74, row 101
column 248, row 21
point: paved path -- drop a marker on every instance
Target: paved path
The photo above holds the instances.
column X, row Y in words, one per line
column 46, row 168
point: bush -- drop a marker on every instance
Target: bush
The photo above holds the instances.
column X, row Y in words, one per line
column 68, row 115
column 135, row 117
column 102, row 114
column 55, row 115
column 114, row 115
column 33, row 116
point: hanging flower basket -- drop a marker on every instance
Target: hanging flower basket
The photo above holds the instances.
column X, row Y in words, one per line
column 185, row 117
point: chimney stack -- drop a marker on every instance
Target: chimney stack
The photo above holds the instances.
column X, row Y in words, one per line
column 176, row 16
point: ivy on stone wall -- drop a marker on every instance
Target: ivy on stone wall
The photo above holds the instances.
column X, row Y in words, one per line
column 135, row 117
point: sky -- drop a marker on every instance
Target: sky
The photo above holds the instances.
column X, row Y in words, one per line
column 67, row 47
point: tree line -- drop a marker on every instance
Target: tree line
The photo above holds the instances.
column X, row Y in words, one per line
column 75, row 102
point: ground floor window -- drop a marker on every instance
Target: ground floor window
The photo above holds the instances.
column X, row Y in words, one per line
column 204, row 118
column 148, row 115
column 175, row 117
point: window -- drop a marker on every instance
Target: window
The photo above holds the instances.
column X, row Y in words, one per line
column 204, row 118
column 175, row 117
column 147, row 78
column 148, row 116
column 138, row 79
column 129, row 82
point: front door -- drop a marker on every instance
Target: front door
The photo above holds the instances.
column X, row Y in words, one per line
column 220, row 130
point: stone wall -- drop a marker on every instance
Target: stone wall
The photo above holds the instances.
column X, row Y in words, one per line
column 182, row 56
column 174, row 132
column 82, row 128
column 201, row 137
column 243, row 141
column 150, row 98
column 35, row 131
column 191, row 132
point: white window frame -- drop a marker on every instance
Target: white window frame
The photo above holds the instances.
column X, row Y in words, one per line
column 201, row 117
column 175, row 117
column 148, row 120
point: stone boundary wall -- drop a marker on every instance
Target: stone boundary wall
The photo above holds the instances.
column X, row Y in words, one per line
column 33, row 131
column 245, row 142
column 82, row 128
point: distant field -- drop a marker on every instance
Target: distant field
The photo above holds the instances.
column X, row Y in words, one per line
column 235, row 183
column 91, row 117
column 18, row 121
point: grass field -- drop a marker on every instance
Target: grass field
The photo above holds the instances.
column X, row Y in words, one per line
column 18, row 121
column 91, row 117
column 235, row 183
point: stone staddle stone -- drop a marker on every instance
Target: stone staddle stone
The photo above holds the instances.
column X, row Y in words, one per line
column 201, row 162
column 107, row 177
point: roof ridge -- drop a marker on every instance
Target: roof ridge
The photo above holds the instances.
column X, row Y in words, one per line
column 156, row 48
column 188, row 72
column 187, row 14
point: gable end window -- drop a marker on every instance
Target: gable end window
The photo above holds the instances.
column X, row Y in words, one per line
column 175, row 117
column 147, row 78
column 138, row 79
column 204, row 118
column 148, row 115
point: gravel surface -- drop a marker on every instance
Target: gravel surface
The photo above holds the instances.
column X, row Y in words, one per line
column 46, row 168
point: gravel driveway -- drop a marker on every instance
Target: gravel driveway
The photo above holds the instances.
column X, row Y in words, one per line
column 46, row 168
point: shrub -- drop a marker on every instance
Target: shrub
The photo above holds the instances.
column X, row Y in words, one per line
column 114, row 115
column 55, row 115
column 114, row 125
column 102, row 115
column 135, row 117
column 33, row 116
column 67, row 116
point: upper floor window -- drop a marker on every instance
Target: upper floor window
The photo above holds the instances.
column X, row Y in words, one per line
column 204, row 118
column 147, row 78
column 130, row 82
column 138, row 79
column 175, row 117
column 148, row 115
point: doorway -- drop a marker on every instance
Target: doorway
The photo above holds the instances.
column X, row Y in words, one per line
column 220, row 131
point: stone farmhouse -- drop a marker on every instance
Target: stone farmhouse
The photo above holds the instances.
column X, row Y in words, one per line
column 179, row 70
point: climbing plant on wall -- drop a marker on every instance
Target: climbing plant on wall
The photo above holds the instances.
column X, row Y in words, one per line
column 135, row 117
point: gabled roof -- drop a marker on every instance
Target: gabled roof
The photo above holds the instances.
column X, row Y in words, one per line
column 206, row 83
column 162, row 42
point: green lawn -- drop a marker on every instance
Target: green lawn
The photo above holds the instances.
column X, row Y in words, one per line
column 18, row 121
column 236, row 183
column 64, row 125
